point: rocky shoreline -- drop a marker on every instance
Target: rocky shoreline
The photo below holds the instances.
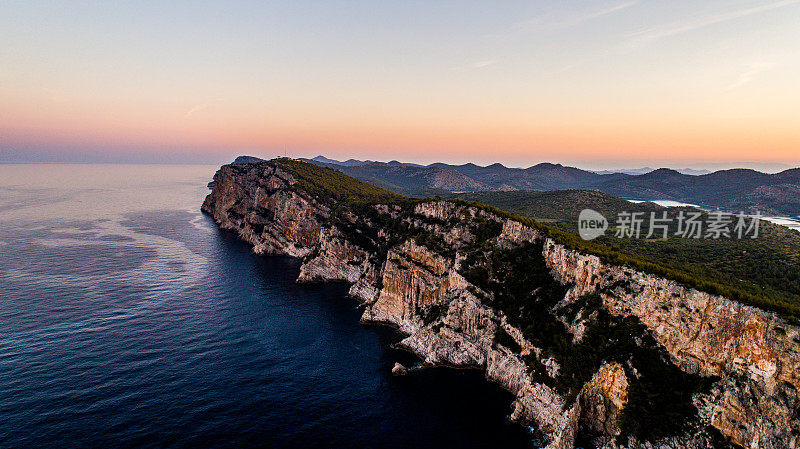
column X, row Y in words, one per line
column 423, row 268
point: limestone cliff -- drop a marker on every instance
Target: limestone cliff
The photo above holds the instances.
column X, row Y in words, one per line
column 596, row 355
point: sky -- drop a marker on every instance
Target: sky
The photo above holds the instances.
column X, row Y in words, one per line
column 597, row 84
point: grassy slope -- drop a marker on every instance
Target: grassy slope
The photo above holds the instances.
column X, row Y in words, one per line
column 333, row 186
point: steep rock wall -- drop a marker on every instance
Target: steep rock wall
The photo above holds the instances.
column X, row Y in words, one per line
column 257, row 202
column 756, row 353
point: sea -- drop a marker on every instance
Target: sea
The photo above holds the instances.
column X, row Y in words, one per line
column 789, row 222
column 128, row 319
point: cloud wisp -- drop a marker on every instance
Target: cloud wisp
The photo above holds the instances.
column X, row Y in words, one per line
column 644, row 37
column 752, row 73
column 555, row 21
column 482, row 64
column 191, row 111
column 640, row 39
column 549, row 22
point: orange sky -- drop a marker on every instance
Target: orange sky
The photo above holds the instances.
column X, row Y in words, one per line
column 566, row 81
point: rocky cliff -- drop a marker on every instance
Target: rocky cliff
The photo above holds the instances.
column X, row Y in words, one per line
column 596, row 355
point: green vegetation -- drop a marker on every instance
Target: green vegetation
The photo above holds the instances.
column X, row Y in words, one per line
column 435, row 242
column 660, row 395
column 764, row 272
column 559, row 207
column 330, row 185
column 486, row 231
column 411, row 192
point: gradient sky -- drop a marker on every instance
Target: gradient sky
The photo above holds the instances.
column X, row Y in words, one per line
column 592, row 83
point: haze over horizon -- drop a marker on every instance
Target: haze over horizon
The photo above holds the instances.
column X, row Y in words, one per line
column 596, row 165
column 613, row 84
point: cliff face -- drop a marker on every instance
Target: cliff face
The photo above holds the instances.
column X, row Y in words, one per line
column 256, row 201
column 757, row 355
column 588, row 349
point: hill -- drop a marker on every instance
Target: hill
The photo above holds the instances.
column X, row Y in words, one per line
column 411, row 179
column 733, row 190
column 334, row 186
column 763, row 271
column 736, row 189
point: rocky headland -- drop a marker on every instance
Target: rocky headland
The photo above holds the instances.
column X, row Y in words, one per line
column 596, row 355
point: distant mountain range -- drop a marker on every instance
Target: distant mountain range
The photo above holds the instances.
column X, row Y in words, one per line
column 733, row 190
column 627, row 171
column 736, row 189
column 644, row 170
column 409, row 178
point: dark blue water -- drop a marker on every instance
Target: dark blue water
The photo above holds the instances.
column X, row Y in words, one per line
column 128, row 320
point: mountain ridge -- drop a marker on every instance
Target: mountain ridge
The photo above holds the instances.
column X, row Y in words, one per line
column 733, row 190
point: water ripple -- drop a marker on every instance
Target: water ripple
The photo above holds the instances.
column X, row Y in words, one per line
column 136, row 323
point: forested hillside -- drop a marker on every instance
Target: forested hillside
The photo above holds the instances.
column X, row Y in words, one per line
column 763, row 271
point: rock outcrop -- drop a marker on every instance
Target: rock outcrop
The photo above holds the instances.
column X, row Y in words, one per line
column 256, row 201
column 421, row 277
column 755, row 352
column 399, row 370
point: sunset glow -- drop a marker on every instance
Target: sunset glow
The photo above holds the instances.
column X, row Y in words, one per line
column 581, row 82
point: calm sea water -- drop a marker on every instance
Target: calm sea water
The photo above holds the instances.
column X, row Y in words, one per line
column 128, row 320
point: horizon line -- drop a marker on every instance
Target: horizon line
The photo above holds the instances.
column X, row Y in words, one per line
column 712, row 166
